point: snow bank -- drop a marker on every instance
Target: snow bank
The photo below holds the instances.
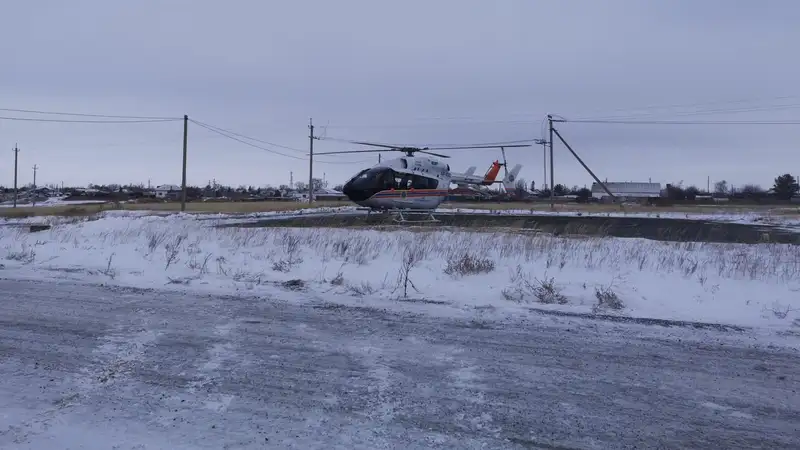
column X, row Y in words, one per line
column 460, row 272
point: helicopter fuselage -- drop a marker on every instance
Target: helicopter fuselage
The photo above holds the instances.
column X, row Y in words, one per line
column 410, row 182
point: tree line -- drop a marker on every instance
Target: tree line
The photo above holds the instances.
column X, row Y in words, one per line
column 784, row 187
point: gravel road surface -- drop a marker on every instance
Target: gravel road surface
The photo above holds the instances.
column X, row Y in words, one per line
column 93, row 367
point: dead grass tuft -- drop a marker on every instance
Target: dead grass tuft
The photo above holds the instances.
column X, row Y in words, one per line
column 468, row 264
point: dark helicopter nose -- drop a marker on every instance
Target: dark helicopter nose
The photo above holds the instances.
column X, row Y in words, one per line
column 347, row 189
column 355, row 191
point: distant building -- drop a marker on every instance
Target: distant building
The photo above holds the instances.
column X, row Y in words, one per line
column 319, row 194
column 627, row 191
column 167, row 191
column 328, row 194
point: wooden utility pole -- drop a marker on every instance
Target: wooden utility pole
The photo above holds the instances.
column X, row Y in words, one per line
column 16, row 158
column 552, row 178
column 310, row 161
column 183, row 178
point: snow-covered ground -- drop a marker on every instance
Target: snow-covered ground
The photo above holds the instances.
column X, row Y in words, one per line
column 446, row 271
column 91, row 367
column 53, row 201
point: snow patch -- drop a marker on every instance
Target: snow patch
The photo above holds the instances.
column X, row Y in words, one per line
column 418, row 271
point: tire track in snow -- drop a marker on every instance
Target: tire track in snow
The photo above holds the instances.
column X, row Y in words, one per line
column 218, row 354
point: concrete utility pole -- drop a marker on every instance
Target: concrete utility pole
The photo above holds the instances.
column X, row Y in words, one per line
column 183, row 178
column 543, row 143
column 552, row 179
column 33, row 197
column 310, row 161
column 16, row 158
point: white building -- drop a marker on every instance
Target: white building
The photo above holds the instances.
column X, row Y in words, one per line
column 319, row 194
column 627, row 191
column 167, row 190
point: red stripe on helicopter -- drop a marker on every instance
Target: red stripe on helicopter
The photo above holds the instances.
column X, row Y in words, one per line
column 412, row 193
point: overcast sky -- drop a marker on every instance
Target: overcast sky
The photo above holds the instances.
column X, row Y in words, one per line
column 403, row 72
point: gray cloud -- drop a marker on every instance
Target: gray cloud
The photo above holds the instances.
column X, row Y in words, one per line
column 394, row 72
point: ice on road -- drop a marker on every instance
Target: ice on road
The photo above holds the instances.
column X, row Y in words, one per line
column 92, row 367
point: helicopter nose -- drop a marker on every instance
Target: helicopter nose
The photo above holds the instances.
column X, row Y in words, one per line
column 347, row 190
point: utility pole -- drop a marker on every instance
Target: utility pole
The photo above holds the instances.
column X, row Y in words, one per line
column 561, row 138
column 552, row 180
column 183, row 178
column 543, row 143
column 33, row 197
column 291, row 180
column 16, row 158
column 379, row 158
column 310, row 161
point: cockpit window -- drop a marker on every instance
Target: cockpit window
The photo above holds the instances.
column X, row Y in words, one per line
column 383, row 178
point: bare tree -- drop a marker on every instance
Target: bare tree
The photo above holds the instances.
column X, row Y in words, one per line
column 721, row 187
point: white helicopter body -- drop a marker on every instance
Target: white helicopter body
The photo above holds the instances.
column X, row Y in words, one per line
column 415, row 182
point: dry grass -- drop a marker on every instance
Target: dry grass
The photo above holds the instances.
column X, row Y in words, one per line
column 548, row 269
column 267, row 206
column 191, row 207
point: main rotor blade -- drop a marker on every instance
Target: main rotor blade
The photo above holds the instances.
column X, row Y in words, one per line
column 373, row 150
column 376, row 145
column 467, row 147
column 434, row 154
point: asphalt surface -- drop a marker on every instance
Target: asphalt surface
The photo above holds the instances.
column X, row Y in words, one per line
column 90, row 367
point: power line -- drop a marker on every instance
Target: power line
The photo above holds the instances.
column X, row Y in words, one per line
column 699, row 112
column 681, row 122
column 247, row 137
column 32, row 119
column 498, row 144
column 685, row 106
column 452, row 122
column 107, row 116
column 518, row 117
column 229, row 136
column 241, row 138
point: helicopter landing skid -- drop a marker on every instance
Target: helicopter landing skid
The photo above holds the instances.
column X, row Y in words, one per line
column 405, row 215
column 414, row 216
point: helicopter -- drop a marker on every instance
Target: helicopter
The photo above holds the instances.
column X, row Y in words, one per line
column 417, row 182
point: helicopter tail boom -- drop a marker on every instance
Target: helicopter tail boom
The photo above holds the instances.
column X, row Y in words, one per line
column 468, row 177
column 489, row 178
